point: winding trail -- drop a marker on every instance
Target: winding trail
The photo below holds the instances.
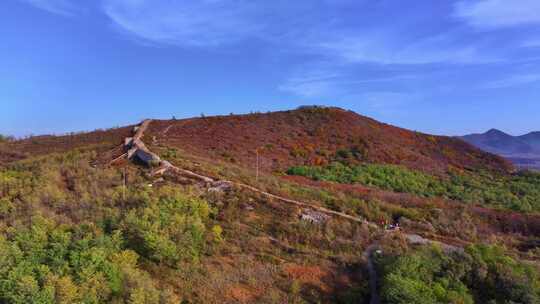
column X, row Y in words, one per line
column 373, row 277
column 136, row 146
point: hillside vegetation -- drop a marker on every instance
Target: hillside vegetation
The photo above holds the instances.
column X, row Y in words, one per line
column 318, row 136
column 480, row 274
column 520, row 192
column 101, row 141
column 79, row 223
column 72, row 233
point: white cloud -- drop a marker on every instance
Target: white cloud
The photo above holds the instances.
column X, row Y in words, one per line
column 187, row 23
column 487, row 14
column 288, row 26
column 513, row 80
column 60, row 7
column 325, row 80
column 388, row 50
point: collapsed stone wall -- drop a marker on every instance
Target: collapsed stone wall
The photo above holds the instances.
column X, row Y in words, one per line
column 137, row 150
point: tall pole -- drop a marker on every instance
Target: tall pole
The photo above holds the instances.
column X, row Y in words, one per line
column 257, row 177
column 124, row 182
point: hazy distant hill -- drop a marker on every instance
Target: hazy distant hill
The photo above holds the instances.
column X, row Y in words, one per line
column 532, row 139
column 523, row 150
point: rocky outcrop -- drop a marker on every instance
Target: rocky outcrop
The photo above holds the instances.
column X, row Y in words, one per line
column 416, row 239
column 220, row 187
column 314, row 217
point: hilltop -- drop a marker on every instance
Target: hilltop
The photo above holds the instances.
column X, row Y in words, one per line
column 318, row 136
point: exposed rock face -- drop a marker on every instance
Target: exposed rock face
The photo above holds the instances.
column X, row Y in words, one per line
column 146, row 157
column 220, row 186
column 415, row 239
column 412, row 225
column 313, row 217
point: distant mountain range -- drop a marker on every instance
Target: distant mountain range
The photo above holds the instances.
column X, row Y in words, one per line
column 523, row 151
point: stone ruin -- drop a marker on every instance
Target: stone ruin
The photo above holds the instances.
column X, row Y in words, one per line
column 138, row 150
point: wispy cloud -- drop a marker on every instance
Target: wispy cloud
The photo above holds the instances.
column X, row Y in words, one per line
column 513, row 80
column 60, row 7
column 333, row 83
column 349, row 36
column 208, row 23
column 317, row 82
column 389, row 48
column 326, row 80
column 489, row 14
column 531, row 43
column 187, row 23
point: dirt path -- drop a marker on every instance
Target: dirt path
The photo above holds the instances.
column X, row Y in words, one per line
column 139, row 133
column 167, row 130
column 305, row 205
column 165, row 166
column 373, row 277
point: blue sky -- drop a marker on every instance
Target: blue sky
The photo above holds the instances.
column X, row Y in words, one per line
column 445, row 67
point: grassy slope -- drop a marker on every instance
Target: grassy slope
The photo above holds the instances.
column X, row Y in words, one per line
column 147, row 236
column 520, row 192
column 100, row 140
